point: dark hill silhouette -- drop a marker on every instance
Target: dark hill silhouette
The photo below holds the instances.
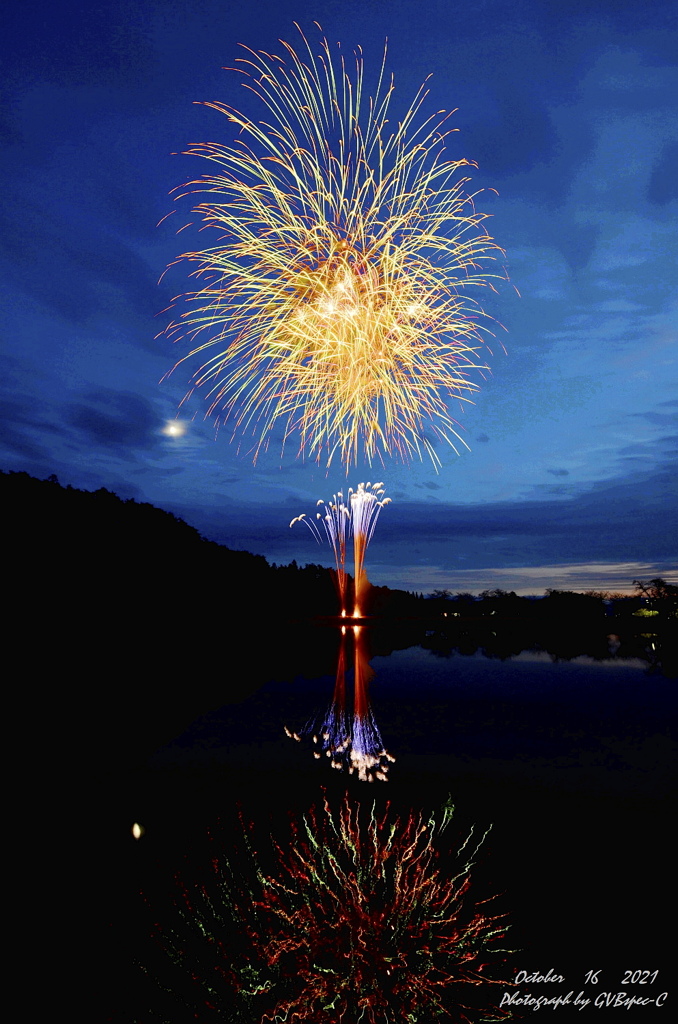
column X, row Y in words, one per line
column 123, row 609
column 89, row 564
column 93, row 555
column 140, row 563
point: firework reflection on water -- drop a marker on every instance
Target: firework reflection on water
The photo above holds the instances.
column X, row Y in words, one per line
column 351, row 913
column 352, row 744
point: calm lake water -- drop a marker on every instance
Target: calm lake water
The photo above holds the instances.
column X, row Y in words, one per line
column 569, row 762
column 581, row 723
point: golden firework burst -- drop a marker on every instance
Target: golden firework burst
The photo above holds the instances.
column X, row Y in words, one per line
column 334, row 306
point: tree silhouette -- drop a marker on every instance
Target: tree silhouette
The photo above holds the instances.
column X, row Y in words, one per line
column 661, row 597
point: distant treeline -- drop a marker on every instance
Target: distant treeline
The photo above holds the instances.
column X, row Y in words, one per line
column 654, row 599
column 81, row 553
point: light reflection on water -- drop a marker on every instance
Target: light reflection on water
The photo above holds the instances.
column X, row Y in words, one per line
column 578, row 722
column 582, row 659
column 569, row 760
column 418, row 654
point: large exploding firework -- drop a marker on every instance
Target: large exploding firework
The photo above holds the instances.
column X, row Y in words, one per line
column 352, row 919
column 352, row 744
column 333, row 307
column 357, row 517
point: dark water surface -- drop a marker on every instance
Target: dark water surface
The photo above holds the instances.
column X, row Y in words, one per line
column 570, row 762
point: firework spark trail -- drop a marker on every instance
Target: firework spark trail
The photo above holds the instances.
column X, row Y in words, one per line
column 334, row 303
column 336, row 525
column 366, row 504
column 358, row 517
column 352, row 919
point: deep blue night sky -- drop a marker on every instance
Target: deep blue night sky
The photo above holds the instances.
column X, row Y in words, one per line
column 570, row 113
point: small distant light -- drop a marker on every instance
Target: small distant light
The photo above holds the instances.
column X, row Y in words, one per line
column 174, row 428
column 137, row 830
